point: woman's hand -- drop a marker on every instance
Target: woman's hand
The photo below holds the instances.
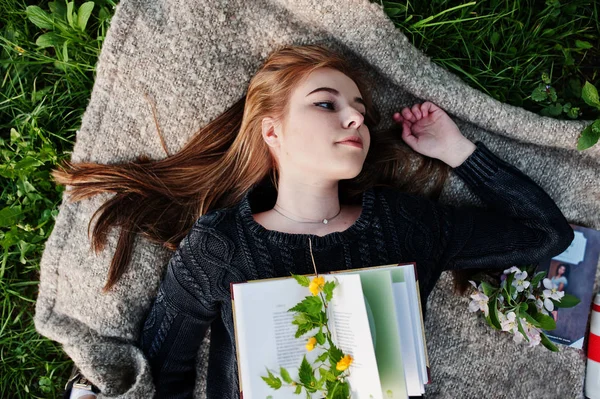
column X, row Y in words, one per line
column 428, row 130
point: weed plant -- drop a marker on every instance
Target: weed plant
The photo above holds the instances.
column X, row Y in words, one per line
column 527, row 53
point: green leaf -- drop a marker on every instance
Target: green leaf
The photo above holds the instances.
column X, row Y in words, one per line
column 335, row 354
column 58, row 9
column 567, row 301
column 328, row 290
column 521, row 330
column 272, row 381
column 589, row 94
column 327, row 374
column 539, row 276
column 340, row 391
column 596, row 126
column 546, row 78
column 493, row 311
column 320, row 382
column 552, row 94
column 523, row 307
column 539, row 93
column 545, row 322
column 552, row 110
column 70, row 6
column 84, row 14
column 298, row 390
column 322, row 357
column 583, row 44
column 530, row 319
column 488, row 289
column 14, row 135
column 285, row 375
column 320, row 338
column 65, row 51
column 302, row 280
column 39, row 17
column 11, row 215
column 28, row 164
column 303, row 329
column 305, row 373
column 573, row 113
column 49, row 39
column 547, row 343
column 588, row 137
column 310, row 304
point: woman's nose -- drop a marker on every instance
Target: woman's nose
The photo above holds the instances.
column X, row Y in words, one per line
column 355, row 119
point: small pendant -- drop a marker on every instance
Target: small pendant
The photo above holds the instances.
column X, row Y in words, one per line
column 325, row 221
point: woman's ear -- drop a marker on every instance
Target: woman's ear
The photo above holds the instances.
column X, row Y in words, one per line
column 271, row 131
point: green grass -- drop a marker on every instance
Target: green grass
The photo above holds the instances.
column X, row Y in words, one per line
column 531, row 54
column 43, row 94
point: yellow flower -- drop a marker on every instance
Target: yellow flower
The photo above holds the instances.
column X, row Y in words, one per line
column 310, row 345
column 316, row 285
column 344, row 363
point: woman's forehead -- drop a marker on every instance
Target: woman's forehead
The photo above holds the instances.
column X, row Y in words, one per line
column 327, row 77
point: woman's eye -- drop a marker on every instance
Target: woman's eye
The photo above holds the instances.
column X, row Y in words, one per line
column 327, row 103
column 332, row 105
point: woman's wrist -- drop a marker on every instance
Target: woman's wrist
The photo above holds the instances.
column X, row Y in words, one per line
column 458, row 153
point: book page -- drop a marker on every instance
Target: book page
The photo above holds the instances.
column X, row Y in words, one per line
column 377, row 288
column 265, row 335
column 417, row 319
column 351, row 333
column 408, row 339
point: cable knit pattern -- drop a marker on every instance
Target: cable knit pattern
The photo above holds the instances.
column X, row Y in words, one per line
column 526, row 233
column 380, row 247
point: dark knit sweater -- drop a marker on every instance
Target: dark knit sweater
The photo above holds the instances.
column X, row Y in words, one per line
column 521, row 225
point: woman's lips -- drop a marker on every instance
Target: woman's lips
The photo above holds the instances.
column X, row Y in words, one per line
column 352, row 143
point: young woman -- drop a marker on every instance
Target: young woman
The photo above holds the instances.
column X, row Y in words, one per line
column 560, row 281
column 300, row 157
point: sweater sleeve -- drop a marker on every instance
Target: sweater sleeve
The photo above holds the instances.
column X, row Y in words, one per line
column 521, row 225
column 175, row 327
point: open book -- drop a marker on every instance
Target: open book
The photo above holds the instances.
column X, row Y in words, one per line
column 375, row 316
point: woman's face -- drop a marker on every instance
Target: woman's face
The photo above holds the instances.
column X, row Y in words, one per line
column 322, row 135
column 561, row 270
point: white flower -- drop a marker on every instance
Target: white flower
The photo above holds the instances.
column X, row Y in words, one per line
column 533, row 334
column 508, row 322
column 519, row 281
column 512, row 270
column 551, row 293
column 479, row 302
column 500, row 298
column 534, row 337
column 540, row 306
column 518, row 337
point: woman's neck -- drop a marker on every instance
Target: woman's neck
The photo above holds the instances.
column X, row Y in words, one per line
column 307, row 201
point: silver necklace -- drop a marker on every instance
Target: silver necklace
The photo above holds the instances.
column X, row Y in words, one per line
column 324, row 221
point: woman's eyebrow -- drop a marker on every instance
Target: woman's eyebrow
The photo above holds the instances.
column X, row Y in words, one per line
column 335, row 92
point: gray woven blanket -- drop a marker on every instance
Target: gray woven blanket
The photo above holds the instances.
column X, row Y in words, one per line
column 194, row 58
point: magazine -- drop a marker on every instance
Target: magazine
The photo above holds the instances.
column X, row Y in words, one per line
column 574, row 272
column 390, row 357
